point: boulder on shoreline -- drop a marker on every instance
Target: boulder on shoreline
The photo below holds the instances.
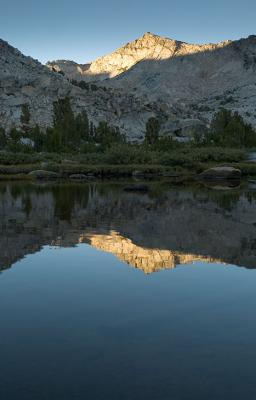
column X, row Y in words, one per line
column 220, row 173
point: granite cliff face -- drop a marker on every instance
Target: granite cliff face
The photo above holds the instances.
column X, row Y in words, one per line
column 25, row 80
column 181, row 84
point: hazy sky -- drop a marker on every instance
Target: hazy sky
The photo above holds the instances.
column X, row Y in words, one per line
column 83, row 30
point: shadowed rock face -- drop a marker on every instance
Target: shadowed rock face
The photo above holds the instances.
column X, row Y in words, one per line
column 150, row 233
column 24, row 80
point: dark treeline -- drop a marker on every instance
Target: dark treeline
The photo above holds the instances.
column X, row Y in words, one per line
column 69, row 133
column 75, row 133
column 228, row 130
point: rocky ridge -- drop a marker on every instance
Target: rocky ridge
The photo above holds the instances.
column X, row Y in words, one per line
column 148, row 47
column 24, row 80
column 181, row 84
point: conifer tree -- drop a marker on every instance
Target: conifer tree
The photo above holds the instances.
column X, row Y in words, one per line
column 25, row 118
column 152, row 131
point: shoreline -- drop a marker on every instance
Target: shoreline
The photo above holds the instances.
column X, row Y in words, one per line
column 83, row 172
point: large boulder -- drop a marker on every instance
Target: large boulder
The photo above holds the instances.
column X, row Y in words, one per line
column 222, row 173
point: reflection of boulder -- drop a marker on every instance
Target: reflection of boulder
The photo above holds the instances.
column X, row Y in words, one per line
column 223, row 184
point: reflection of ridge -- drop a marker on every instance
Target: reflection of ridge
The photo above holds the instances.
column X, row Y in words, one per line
column 148, row 260
column 201, row 224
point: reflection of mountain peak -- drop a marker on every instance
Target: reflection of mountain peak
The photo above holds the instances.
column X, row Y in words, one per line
column 148, row 260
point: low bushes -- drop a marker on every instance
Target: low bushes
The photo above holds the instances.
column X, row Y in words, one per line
column 125, row 154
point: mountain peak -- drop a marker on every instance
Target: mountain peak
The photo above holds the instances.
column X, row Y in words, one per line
column 150, row 34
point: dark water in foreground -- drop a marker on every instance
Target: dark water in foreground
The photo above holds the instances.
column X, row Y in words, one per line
column 113, row 295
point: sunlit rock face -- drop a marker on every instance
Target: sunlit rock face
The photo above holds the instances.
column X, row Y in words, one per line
column 148, row 47
column 178, row 226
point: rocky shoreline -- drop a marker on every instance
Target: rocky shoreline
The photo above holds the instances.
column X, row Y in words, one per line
column 87, row 173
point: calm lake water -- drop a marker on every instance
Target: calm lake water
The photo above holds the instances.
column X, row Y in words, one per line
column 112, row 295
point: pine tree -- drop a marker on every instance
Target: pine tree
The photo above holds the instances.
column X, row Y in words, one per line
column 152, row 131
column 92, row 131
column 63, row 123
column 3, row 138
column 82, row 130
column 229, row 129
column 38, row 137
column 25, row 118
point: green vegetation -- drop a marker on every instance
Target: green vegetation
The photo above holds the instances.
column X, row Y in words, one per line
column 25, row 118
column 152, row 131
column 229, row 130
column 75, row 145
column 70, row 133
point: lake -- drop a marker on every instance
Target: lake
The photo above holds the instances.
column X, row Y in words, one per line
column 106, row 294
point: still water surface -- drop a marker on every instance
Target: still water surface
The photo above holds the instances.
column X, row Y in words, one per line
column 113, row 295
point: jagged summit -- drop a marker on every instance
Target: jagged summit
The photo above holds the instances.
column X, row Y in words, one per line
column 150, row 34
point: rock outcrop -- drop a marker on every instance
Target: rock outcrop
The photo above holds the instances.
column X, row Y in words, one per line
column 24, row 80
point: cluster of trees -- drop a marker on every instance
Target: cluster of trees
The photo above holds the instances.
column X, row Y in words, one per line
column 69, row 132
column 227, row 130
column 85, row 85
column 73, row 133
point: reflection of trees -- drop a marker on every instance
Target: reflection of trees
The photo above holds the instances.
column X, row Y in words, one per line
column 66, row 197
